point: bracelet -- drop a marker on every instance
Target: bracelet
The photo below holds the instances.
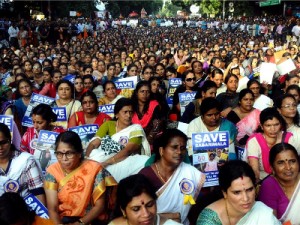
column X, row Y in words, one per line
column 81, row 222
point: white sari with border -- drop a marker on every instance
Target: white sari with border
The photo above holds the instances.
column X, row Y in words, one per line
column 133, row 163
column 292, row 211
column 260, row 214
column 170, row 199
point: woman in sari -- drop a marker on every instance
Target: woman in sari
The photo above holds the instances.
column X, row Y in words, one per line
column 89, row 113
column 238, row 205
column 147, row 112
column 210, row 120
column 119, row 145
column 259, row 144
column 246, row 119
column 281, row 190
column 172, row 179
column 78, row 190
column 65, row 91
column 137, row 200
column 110, row 92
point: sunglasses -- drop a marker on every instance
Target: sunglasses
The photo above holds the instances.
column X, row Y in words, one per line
column 190, row 79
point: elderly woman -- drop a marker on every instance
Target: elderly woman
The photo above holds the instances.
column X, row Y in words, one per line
column 65, row 91
column 238, row 206
column 259, row 144
column 19, row 172
column 78, row 190
column 210, row 120
column 137, row 200
column 170, row 176
column 280, row 191
column 119, row 145
column 89, row 113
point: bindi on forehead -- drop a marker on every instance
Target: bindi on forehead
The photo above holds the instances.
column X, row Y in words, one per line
column 142, row 202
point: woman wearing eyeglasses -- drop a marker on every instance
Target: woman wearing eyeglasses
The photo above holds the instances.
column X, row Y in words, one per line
column 78, row 191
column 287, row 107
column 188, row 85
column 19, row 172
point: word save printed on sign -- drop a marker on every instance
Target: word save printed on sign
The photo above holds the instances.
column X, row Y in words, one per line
column 175, row 82
column 7, row 120
column 41, row 99
column 35, row 205
column 46, row 136
column 61, row 113
column 107, row 109
column 209, row 140
column 85, row 129
column 187, row 96
column 124, row 84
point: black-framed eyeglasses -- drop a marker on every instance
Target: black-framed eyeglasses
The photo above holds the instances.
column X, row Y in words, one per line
column 190, row 79
column 68, row 155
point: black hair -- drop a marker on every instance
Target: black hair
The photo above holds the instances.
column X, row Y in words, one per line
column 147, row 67
column 253, row 81
column 208, row 104
column 69, row 83
column 134, row 97
column 233, row 170
column 5, row 130
column 165, row 139
column 243, row 93
column 293, row 87
column 71, row 138
column 45, row 111
column 91, row 94
column 229, row 76
column 208, row 84
column 216, row 71
column 122, row 102
column 269, row 114
column 278, row 105
column 133, row 186
column 185, row 73
column 108, row 82
column 13, row 209
column 280, row 147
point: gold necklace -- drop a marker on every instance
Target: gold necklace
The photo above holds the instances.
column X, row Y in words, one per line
column 158, row 173
column 227, row 212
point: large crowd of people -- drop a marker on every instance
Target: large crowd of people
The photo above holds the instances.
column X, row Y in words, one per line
column 161, row 82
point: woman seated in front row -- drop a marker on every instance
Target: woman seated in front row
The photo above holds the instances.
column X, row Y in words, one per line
column 173, row 180
column 78, row 191
column 238, row 206
column 137, row 200
column 281, row 190
column 119, row 145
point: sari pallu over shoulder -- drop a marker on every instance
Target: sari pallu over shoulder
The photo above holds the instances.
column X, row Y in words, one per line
column 79, row 190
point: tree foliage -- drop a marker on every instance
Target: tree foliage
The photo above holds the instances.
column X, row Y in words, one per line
column 210, row 7
column 170, row 10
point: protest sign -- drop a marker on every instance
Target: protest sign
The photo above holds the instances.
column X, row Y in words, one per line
column 62, row 119
column 185, row 98
column 8, row 121
column 267, row 71
column 44, row 148
column 286, row 67
column 34, row 204
column 70, row 77
column 126, row 85
column 107, row 109
column 173, row 84
column 85, row 132
column 35, row 100
column 210, row 149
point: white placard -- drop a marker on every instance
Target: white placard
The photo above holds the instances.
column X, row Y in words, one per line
column 267, row 71
column 72, row 13
column 286, row 67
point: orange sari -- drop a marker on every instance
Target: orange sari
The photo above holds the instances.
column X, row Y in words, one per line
column 78, row 191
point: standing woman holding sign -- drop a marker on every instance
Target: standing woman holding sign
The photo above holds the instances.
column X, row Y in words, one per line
column 65, row 91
